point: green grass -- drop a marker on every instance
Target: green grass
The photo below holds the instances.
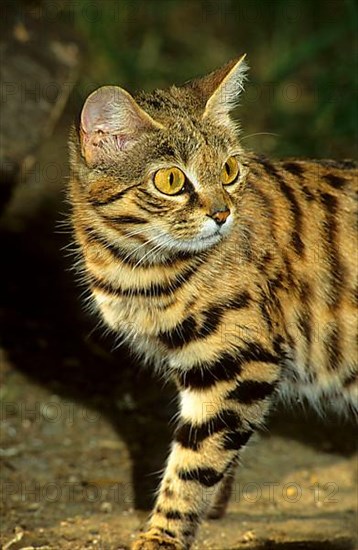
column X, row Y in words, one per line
column 302, row 54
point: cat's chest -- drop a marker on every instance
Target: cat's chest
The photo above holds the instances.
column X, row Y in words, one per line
column 143, row 301
column 140, row 319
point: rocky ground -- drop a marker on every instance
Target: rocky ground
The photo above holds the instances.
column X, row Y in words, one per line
column 85, row 430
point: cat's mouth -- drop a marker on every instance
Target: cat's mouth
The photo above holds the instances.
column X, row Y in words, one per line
column 215, row 237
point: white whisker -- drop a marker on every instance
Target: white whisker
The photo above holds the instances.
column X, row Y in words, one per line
column 259, row 134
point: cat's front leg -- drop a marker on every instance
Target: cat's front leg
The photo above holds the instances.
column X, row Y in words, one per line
column 222, row 495
column 219, row 412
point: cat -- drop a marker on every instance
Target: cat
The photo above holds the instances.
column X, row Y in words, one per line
column 234, row 275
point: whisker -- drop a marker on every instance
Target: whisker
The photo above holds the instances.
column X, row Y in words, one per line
column 150, row 241
column 259, row 134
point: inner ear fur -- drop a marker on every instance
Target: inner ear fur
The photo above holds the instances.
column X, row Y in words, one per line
column 111, row 120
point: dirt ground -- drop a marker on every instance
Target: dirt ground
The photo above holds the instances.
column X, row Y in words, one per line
column 85, row 431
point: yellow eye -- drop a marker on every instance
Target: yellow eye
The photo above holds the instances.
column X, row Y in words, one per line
column 169, row 180
column 230, row 171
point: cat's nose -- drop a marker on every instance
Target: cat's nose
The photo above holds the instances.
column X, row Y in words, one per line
column 220, row 216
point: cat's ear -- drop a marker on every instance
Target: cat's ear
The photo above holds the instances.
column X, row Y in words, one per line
column 220, row 90
column 111, row 121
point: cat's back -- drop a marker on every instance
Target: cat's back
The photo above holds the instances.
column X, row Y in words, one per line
column 313, row 210
column 326, row 194
column 313, row 218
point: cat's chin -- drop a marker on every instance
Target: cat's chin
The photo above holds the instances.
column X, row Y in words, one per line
column 203, row 243
column 197, row 244
column 168, row 244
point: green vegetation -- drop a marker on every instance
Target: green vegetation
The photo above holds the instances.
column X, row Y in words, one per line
column 302, row 90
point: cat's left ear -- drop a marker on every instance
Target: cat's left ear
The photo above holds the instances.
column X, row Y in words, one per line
column 221, row 89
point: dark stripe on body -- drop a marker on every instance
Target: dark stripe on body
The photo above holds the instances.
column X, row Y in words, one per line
column 226, row 368
column 214, row 314
column 192, row 517
column 355, row 296
column 294, row 168
column 205, row 476
column 191, row 436
column 337, row 182
column 250, row 391
column 202, row 377
column 265, row 261
column 256, row 352
column 337, row 272
column 126, row 256
column 334, row 347
column 265, row 312
column 189, row 330
column 284, row 348
column 289, row 272
column 304, row 326
column 294, row 205
column 182, row 334
column 154, row 290
column 276, row 282
column 280, row 348
column 307, row 193
column 267, row 208
column 304, row 322
column 234, row 441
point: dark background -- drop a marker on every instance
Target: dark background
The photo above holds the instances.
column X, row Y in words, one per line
column 302, row 53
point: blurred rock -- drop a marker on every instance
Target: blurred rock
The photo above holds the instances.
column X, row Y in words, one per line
column 39, row 67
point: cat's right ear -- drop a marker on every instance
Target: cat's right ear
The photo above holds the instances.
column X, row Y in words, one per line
column 111, row 121
column 220, row 90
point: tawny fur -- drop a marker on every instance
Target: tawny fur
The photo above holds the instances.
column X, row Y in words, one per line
column 263, row 306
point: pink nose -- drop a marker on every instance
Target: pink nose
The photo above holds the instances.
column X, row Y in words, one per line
column 220, row 216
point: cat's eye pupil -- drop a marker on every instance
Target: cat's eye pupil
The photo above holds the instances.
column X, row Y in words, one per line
column 169, row 181
column 230, row 171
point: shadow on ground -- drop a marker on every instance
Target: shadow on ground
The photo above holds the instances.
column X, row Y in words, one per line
column 47, row 337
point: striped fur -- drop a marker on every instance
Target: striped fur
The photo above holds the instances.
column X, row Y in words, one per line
column 265, row 308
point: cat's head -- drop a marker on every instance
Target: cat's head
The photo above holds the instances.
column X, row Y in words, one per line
column 161, row 170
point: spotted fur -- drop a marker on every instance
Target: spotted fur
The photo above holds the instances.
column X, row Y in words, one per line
column 237, row 313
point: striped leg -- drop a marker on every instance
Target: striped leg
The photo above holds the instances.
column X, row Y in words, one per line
column 217, row 419
column 222, row 496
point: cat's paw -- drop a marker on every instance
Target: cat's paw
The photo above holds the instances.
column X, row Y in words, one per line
column 149, row 541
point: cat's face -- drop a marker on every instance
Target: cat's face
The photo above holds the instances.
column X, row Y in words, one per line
column 164, row 170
